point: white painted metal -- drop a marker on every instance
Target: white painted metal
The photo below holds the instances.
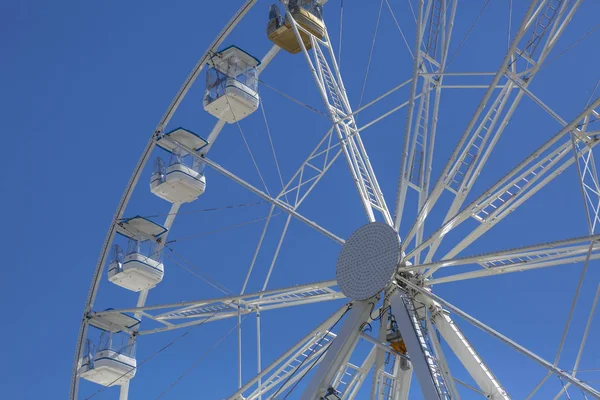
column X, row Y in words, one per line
column 467, row 355
column 568, row 377
column 420, row 358
column 517, row 260
column 289, row 362
column 124, row 391
column 379, row 366
column 478, row 141
column 178, row 315
column 333, row 93
column 339, row 351
column 434, row 27
column 441, row 358
column 351, row 388
column 517, row 186
column 403, row 379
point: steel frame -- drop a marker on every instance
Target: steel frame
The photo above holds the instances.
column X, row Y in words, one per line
column 526, row 179
column 417, row 310
column 486, row 127
column 185, row 314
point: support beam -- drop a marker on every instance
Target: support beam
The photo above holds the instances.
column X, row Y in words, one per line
column 355, row 384
column 403, row 380
column 467, row 355
column 420, row 360
column 541, row 167
column 340, row 350
column 555, row 370
column 278, row 203
column 543, row 21
column 437, row 348
column 517, row 260
column 278, row 373
column 433, row 31
column 185, row 314
column 327, row 77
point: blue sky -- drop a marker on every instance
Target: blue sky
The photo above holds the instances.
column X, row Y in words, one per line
column 83, row 85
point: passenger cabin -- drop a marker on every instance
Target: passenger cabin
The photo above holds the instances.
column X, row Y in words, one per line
column 113, row 322
column 182, row 181
column 113, row 363
column 140, row 267
column 232, row 85
column 308, row 14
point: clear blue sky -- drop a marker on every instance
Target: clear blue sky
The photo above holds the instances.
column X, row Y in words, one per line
column 82, row 86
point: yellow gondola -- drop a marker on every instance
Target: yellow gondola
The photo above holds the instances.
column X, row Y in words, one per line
column 281, row 32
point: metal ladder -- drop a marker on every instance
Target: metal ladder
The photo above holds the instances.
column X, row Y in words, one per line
column 474, row 148
column 426, row 346
column 435, row 18
column 346, row 126
column 542, row 22
column 415, row 173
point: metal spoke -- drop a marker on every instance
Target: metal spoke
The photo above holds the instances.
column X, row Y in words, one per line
column 286, row 370
column 542, row 20
column 537, row 170
column 570, row 378
column 327, row 77
column 517, row 260
column 178, row 315
column 278, row 203
column 417, row 154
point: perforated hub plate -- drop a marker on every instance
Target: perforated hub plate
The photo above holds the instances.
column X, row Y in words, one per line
column 368, row 261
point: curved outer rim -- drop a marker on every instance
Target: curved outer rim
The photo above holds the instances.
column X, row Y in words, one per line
column 91, row 297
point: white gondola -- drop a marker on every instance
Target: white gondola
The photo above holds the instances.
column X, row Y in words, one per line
column 232, row 85
column 110, row 365
column 183, row 180
column 113, row 322
column 140, row 227
column 139, row 269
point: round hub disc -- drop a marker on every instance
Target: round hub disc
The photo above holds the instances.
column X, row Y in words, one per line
column 368, row 260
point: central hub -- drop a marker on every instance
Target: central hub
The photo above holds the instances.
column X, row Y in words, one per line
column 368, row 261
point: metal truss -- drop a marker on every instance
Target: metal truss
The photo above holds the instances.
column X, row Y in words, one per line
column 417, row 310
column 433, row 32
column 536, row 171
column 467, row 355
column 186, row 314
column 333, row 93
column 423, row 359
column 292, row 365
column 518, row 260
column 328, row 79
column 543, row 24
column 435, row 302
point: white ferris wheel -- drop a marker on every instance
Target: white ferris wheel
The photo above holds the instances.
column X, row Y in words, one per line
column 391, row 330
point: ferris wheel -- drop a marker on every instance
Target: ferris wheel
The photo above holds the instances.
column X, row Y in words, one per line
column 391, row 331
